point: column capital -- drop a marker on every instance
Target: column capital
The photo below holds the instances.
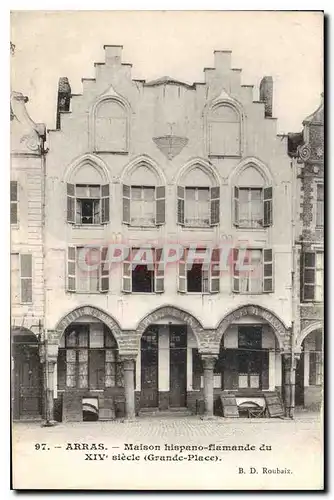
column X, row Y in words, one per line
column 209, row 361
column 128, row 360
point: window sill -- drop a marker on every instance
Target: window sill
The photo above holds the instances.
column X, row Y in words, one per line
column 312, row 302
column 142, row 293
column 86, row 293
column 251, row 228
column 198, row 228
column 221, row 155
column 89, row 226
column 133, row 227
column 15, row 226
column 252, row 293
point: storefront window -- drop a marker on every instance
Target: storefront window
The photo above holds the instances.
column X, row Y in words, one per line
column 88, row 358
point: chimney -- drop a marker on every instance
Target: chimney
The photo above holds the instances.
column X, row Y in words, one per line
column 64, row 98
column 266, row 95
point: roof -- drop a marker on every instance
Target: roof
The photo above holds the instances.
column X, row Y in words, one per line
column 317, row 117
column 164, row 80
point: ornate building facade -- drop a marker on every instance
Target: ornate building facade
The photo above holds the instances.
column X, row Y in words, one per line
column 147, row 166
column 307, row 151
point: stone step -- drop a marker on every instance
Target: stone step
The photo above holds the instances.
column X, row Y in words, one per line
column 170, row 412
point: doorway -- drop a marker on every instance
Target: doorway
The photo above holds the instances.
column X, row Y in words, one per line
column 149, row 368
column 178, row 365
column 27, row 378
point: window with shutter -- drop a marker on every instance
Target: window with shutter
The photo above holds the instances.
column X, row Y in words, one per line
column 236, row 205
column 143, row 206
column 214, row 271
column 235, row 265
column 183, row 272
column 13, row 202
column 126, row 204
column 71, row 205
column 180, row 204
column 160, row 196
column 320, row 206
column 159, row 272
column 127, row 274
column 71, row 269
column 105, row 202
column 197, row 208
column 104, row 273
column 268, row 206
column 215, row 205
column 26, row 278
column 308, row 278
column 268, row 270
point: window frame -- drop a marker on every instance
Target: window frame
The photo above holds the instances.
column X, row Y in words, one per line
column 74, row 202
column 103, row 276
column 315, row 270
column 26, row 278
column 214, row 119
column 14, row 202
column 158, row 277
column 197, row 189
column 322, row 207
column 250, row 189
column 77, row 348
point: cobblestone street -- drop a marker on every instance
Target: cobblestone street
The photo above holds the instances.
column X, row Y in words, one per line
column 292, row 447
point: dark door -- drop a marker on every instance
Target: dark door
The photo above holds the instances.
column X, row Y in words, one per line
column 299, row 395
column 149, row 368
column 178, row 365
column 27, row 382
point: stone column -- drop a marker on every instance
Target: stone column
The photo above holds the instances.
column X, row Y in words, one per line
column 48, row 356
column 289, row 380
column 209, row 361
column 49, row 413
column 129, row 387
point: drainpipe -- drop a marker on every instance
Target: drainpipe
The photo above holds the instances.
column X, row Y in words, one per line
column 294, row 308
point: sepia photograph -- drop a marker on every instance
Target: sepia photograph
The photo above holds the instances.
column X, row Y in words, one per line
column 167, row 250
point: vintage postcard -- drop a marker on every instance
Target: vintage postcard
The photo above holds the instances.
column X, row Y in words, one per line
column 167, row 250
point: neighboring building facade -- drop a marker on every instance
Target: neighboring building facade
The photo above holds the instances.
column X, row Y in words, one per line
column 307, row 151
column 27, row 262
column 166, row 162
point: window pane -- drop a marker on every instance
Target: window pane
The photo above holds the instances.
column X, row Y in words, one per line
column 149, row 193
column 94, row 191
column 320, row 192
column 13, row 213
column 26, row 266
column 190, row 193
column 26, row 290
column 136, row 193
column 203, row 194
column 13, row 190
column 96, row 338
column 71, row 338
column 83, row 337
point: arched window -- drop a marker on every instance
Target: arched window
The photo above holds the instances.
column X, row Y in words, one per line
column 88, row 197
column 143, row 197
column 111, row 127
column 224, row 131
column 198, row 199
column 253, row 204
column 88, row 358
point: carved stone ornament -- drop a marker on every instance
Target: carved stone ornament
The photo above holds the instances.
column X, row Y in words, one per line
column 170, row 145
column 304, row 152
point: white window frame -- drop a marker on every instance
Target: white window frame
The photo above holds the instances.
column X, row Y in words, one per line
column 249, row 224
column 261, row 279
column 142, row 222
column 77, row 271
column 201, row 222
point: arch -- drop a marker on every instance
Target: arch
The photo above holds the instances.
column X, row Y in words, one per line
column 316, row 325
column 254, row 162
column 237, row 135
column 90, row 159
column 206, row 166
column 280, row 330
column 110, row 95
column 88, row 310
column 174, row 312
column 139, row 161
column 22, row 334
